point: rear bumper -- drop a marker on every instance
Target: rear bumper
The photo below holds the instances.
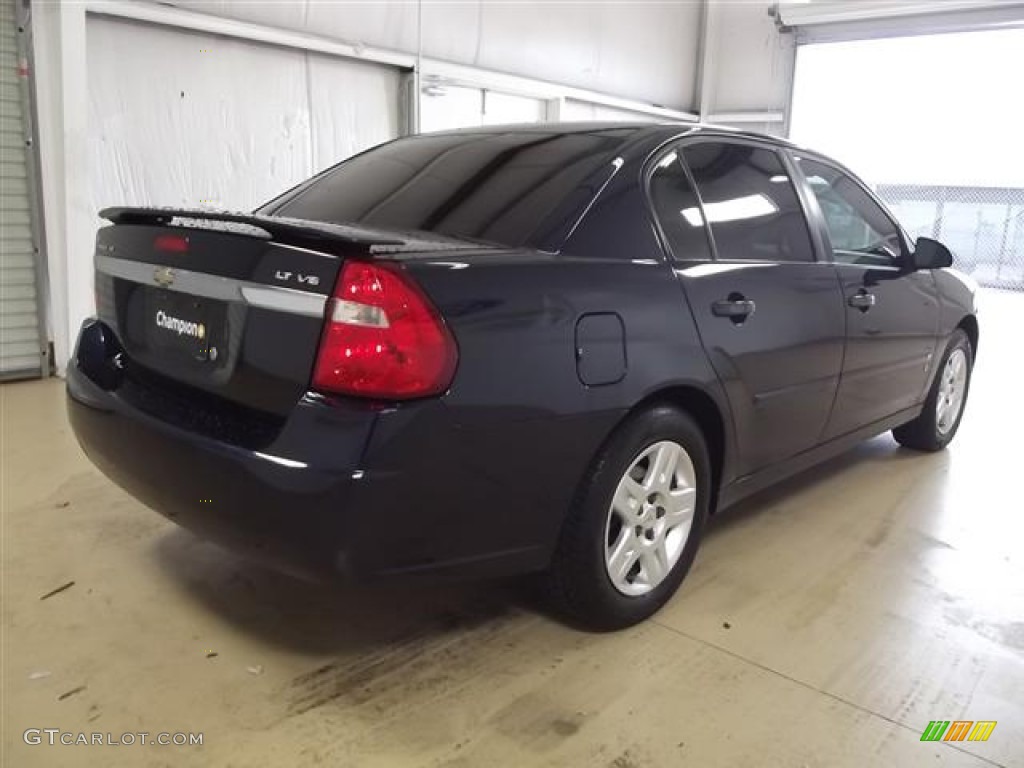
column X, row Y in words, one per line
column 285, row 505
column 286, row 511
column 341, row 491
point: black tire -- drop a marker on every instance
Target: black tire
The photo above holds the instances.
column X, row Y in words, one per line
column 577, row 584
column 923, row 433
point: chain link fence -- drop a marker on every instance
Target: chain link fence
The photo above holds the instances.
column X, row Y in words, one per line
column 982, row 226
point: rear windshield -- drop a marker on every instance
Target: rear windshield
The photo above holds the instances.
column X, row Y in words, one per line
column 515, row 188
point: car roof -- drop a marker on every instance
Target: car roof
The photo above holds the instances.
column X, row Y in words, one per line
column 667, row 129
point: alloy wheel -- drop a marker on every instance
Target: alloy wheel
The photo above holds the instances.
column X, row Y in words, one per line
column 952, row 389
column 650, row 517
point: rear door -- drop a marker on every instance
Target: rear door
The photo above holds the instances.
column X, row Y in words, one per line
column 769, row 314
column 891, row 314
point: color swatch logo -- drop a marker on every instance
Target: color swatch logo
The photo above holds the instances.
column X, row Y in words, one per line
column 958, row 730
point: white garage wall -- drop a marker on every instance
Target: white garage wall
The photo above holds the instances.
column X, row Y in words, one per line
column 444, row 107
column 644, row 51
column 573, row 110
column 180, row 127
column 353, row 105
column 754, row 60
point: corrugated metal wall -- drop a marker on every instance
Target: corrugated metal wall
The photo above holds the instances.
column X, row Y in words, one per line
column 21, row 352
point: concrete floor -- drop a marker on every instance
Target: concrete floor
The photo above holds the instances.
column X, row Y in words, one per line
column 825, row 623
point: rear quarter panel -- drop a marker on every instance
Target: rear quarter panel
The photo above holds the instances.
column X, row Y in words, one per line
column 507, row 447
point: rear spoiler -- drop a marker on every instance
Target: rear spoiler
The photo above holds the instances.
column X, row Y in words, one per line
column 337, row 239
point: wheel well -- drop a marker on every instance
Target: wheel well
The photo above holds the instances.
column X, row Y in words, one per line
column 704, row 410
column 969, row 325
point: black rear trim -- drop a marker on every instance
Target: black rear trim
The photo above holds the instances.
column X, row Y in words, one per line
column 194, row 410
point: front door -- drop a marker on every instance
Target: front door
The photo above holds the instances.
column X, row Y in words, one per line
column 891, row 314
column 770, row 316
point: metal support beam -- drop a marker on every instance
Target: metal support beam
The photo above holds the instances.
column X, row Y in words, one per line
column 59, row 56
column 868, row 19
column 171, row 16
column 449, row 73
column 706, row 61
column 794, row 14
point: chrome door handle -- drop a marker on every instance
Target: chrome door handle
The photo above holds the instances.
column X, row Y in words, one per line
column 862, row 300
column 736, row 309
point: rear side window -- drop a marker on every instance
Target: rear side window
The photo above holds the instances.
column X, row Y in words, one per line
column 749, row 202
column 678, row 209
column 860, row 231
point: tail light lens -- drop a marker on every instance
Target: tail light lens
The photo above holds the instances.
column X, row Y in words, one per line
column 383, row 338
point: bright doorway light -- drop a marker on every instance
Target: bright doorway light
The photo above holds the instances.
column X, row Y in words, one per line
column 937, row 109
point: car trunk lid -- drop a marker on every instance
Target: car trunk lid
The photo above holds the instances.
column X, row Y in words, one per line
column 229, row 304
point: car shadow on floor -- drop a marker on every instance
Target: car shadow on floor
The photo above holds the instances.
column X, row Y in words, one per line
column 881, row 449
column 319, row 618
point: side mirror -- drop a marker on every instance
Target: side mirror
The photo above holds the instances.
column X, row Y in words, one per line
column 930, row 254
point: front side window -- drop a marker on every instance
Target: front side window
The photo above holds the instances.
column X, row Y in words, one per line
column 749, row 202
column 860, row 231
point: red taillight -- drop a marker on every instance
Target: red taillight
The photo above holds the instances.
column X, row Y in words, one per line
column 171, row 243
column 382, row 338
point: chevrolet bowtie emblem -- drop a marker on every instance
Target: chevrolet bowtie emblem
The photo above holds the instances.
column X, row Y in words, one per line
column 163, row 276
